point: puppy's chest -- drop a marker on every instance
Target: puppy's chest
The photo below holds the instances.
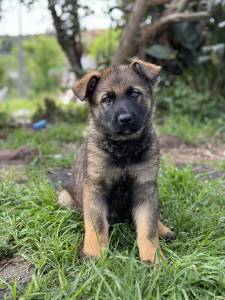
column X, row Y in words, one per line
column 119, row 198
column 126, row 155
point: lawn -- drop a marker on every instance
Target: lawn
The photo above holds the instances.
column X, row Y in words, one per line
column 48, row 239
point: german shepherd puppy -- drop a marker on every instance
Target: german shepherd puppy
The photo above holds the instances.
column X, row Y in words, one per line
column 115, row 175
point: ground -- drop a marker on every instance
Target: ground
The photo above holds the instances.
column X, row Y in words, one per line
column 40, row 243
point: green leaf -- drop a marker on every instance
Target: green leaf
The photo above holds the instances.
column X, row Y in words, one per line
column 218, row 48
column 188, row 35
column 161, row 52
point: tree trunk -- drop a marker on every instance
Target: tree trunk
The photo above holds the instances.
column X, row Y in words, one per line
column 125, row 47
column 68, row 34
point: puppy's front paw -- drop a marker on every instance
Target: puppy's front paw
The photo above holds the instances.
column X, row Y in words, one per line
column 149, row 252
column 91, row 252
column 153, row 260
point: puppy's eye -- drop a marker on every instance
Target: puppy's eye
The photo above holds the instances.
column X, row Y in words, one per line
column 135, row 93
column 106, row 99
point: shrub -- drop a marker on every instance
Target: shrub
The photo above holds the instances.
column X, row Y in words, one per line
column 182, row 98
column 45, row 61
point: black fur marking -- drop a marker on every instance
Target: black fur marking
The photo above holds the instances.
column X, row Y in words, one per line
column 124, row 153
column 119, row 199
column 100, row 225
column 170, row 236
column 98, row 221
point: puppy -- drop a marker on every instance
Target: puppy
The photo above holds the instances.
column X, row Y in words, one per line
column 115, row 175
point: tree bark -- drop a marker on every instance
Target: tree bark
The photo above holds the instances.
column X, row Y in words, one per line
column 151, row 3
column 68, row 33
column 128, row 37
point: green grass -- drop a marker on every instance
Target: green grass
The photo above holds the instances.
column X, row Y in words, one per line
column 192, row 132
column 13, row 105
column 33, row 226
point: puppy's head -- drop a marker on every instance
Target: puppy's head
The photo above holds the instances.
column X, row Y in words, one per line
column 120, row 97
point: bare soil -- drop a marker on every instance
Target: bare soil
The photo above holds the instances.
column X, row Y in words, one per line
column 18, row 156
column 178, row 152
column 15, row 268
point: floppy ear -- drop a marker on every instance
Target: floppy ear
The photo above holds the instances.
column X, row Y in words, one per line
column 86, row 85
column 146, row 70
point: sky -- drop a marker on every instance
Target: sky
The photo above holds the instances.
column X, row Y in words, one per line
column 38, row 20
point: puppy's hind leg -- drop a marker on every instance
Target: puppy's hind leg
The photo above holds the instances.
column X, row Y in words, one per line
column 165, row 232
column 65, row 200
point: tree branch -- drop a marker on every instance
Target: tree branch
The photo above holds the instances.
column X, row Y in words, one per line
column 149, row 32
column 156, row 2
column 130, row 31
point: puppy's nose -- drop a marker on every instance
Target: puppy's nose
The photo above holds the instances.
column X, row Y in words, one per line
column 125, row 119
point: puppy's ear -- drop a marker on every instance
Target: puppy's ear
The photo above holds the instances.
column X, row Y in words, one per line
column 86, row 85
column 146, row 70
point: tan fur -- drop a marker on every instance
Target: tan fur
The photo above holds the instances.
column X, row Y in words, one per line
column 80, row 90
column 149, row 249
column 164, row 231
column 94, row 241
column 151, row 70
column 65, row 200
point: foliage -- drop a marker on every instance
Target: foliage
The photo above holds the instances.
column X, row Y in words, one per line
column 45, row 62
column 191, row 131
column 6, row 44
column 103, row 46
column 4, row 119
column 52, row 112
column 8, row 63
column 183, row 97
column 182, row 45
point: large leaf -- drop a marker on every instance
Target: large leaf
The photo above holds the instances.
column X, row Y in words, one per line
column 188, row 35
column 160, row 51
column 218, row 48
column 204, row 58
column 213, row 53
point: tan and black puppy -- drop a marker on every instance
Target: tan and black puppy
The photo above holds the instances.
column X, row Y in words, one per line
column 115, row 175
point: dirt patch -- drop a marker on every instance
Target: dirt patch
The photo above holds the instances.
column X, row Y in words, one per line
column 180, row 153
column 16, row 268
column 18, row 156
column 13, row 163
column 167, row 142
column 206, row 173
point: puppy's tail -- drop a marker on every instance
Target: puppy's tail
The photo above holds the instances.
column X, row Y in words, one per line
column 65, row 200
